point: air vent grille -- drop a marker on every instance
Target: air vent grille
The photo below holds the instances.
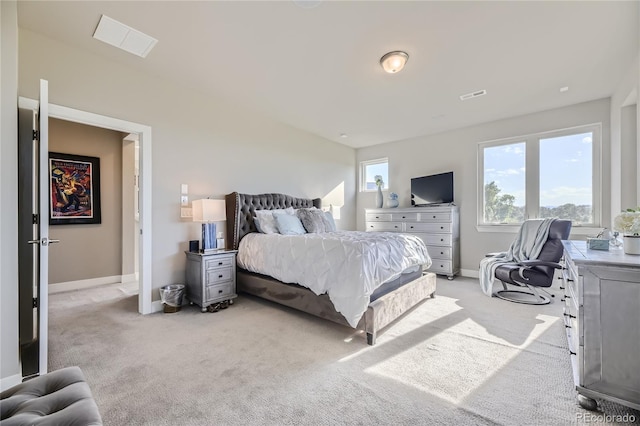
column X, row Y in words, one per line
column 473, row 95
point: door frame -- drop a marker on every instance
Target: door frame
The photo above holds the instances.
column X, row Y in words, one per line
column 145, row 305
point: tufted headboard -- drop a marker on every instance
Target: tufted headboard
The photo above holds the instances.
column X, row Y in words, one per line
column 241, row 208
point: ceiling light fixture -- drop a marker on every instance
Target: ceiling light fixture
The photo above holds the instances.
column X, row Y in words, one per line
column 393, row 62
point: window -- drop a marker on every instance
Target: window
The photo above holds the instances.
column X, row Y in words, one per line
column 368, row 172
column 551, row 174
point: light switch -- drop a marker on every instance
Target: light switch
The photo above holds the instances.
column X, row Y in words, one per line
column 184, row 189
column 184, row 200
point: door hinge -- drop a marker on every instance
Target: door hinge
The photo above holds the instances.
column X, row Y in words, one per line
column 35, row 302
column 34, row 219
column 36, row 135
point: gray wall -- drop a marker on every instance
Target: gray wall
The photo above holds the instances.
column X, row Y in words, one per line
column 457, row 150
column 9, row 365
column 89, row 250
column 629, row 157
column 213, row 146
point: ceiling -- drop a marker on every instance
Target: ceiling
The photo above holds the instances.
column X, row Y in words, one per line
column 314, row 64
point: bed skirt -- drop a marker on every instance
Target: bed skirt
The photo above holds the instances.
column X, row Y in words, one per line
column 379, row 314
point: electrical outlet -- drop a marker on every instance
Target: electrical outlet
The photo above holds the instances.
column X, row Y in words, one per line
column 184, row 200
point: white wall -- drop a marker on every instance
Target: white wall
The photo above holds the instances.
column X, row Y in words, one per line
column 9, row 364
column 213, row 146
column 457, row 150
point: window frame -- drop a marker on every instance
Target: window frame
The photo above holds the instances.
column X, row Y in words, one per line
column 532, row 177
column 363, row 173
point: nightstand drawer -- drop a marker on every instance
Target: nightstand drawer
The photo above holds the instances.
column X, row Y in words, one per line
column 215, row 276
column 219, row 291
column 219, row 262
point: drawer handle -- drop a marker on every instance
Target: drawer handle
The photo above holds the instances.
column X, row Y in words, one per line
column 441, row 252
column 377, row 217
column 572, row 353
column 220, row 263
column 404, row 217
column 442, row 227
column 434, row 217
column 441, row 239
column 219, row 291
column 569, row 315
column 395, row 226
column 411, row 226
column 220, row 276
column 442, row 266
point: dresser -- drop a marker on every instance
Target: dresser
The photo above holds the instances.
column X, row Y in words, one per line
column 602, row 322
column 437, row 226
column 211, row 278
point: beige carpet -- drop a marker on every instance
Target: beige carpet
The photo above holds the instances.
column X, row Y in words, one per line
column 461, row 358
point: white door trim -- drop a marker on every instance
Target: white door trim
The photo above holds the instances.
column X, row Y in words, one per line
column 91, row 119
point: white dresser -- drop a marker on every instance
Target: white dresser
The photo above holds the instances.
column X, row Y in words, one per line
column 602, row 322
column 438, row 226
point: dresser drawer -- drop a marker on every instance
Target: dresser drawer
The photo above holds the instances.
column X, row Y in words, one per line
column 215, row 276
column 440, row 266
column 384, row 226
column 439, row 252
column 435, row 217
column 436, row 240
column 218, row 262
column 429, row 227
column 404, row 217
column 378, row 217
column 223, row 291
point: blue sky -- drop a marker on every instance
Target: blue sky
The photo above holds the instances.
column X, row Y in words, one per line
column 565, row 164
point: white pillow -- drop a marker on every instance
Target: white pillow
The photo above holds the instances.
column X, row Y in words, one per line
column 267, row 220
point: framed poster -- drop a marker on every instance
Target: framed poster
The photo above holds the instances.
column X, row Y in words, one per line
column 75, row 189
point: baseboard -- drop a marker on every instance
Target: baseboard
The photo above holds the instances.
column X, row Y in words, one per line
column 8, row 382
column 470, row 273
column 129, row 278
column 156, row 306
column 82, row 284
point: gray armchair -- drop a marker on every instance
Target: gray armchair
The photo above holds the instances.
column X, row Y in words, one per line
column 535, row 273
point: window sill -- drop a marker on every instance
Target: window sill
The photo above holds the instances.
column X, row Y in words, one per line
column 513, row 229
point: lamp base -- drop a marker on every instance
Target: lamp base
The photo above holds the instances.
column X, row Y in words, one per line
column 208, row 236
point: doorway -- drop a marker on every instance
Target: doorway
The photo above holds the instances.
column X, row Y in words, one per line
column 144, row 182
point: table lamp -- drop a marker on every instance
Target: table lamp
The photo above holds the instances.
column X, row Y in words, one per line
column 208, row 212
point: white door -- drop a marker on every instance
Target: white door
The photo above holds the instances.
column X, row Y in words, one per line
column 43, row 212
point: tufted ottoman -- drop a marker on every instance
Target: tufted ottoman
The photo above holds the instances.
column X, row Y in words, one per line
column 61, row 397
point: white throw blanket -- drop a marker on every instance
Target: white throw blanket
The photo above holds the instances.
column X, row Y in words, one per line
column 347, row 265
column 527, row 245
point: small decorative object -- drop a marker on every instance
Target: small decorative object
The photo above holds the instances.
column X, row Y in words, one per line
column 393, row 200
column 598, row 243
column 628, row 222
column 615, row 241
column 379, row 184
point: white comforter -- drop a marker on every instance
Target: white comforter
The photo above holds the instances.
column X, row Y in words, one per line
column 347, row 265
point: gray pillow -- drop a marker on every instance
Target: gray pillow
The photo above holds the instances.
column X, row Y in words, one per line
column 313, row 220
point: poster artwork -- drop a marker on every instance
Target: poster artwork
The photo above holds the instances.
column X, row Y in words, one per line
column 74, row 189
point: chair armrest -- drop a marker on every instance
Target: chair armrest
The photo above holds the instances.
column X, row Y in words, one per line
column 532, row 263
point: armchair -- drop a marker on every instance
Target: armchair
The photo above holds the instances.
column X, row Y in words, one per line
column 534, row 273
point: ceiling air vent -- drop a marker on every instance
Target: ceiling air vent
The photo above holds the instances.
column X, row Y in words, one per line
column 473, row 95
column 124, row 37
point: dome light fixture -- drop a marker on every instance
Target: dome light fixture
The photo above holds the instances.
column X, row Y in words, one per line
column 393, row 62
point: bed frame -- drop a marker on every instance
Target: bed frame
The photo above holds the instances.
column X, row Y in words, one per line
column 380, row 313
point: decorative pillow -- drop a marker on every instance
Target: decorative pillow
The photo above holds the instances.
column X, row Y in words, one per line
column 331, row 223
column 266, row 221
column 289, row 224
column 313, row 220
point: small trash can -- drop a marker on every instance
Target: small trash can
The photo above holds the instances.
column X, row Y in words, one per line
column 171, row 296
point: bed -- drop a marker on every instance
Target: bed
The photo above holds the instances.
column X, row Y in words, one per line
column 388, row 302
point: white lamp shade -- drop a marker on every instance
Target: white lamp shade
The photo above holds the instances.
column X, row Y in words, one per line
column 393, row 62
column 207, row 210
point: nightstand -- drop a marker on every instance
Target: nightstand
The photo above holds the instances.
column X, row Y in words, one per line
column 211, row 278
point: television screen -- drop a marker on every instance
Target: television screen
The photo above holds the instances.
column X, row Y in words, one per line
column 434, row 189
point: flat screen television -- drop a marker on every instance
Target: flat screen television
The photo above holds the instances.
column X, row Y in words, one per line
column 433, row 189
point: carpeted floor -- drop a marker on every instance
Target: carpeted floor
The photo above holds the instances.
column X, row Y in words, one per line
column 461, row 358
